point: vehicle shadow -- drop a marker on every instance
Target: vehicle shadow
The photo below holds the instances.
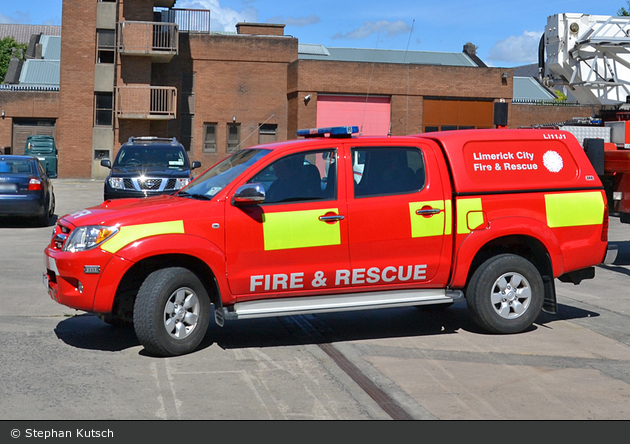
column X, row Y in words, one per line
column 618, row 254
column 25, row 222
column 368, row 324
column 89, row 332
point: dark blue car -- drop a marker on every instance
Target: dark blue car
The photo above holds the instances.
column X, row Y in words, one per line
column 25, row 189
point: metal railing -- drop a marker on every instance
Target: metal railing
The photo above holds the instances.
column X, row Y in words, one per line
column 147, row 38
column 543, row 102
column 146, row 102
column 12, row 87
column 189, row 20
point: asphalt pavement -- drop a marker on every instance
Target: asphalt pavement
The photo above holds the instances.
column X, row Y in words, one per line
column 404, row 363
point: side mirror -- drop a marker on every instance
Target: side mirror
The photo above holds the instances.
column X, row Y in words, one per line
column 250, row 193
column 106, row 163
column 195, row 164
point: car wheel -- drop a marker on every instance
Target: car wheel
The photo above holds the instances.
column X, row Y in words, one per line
column 51, row 211
column 505, row 294
column 171, row 312
column 42, row 220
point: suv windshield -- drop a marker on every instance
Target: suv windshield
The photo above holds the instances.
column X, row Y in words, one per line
column 216, row 178
column 161, row 156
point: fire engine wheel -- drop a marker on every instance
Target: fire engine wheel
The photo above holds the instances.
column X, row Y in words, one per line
column 171, row 312
column 505, row 294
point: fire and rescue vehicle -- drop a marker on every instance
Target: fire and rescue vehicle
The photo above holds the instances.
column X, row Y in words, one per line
column 588, row 58
column 342, row 223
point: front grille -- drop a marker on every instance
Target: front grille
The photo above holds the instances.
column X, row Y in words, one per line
column 150, row 184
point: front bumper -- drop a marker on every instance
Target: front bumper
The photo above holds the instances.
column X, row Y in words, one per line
column 72, row 279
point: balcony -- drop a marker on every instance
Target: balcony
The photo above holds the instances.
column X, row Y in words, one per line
column 146, row 102
column 192, row 21
column 160, row 41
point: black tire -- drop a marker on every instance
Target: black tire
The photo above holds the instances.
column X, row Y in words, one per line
column 43, row 219
column 505, row 294
column 171, row 312
column 53, row 204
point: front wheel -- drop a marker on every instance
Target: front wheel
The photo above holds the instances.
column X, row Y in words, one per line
column 171, row 312
column 505, row 294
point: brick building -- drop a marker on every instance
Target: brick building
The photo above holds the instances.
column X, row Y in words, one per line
column 141, row 67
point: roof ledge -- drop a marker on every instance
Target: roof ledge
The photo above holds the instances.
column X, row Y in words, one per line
column 259, row 28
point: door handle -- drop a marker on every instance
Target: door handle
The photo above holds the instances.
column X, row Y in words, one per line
column 428, row 211
column 331, row 218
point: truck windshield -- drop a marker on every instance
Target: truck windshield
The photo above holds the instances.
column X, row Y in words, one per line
column 216, row 178
column 155, row 156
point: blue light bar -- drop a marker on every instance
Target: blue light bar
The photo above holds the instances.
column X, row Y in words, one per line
column 334, row 131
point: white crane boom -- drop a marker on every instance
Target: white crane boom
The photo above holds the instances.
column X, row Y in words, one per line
column 590, row 54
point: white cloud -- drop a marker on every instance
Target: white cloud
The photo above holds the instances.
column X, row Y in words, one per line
column 516, row 49
column 390, row 29
column 221, row 19
column 17, row 18
column 295, row 21
column 5, row 19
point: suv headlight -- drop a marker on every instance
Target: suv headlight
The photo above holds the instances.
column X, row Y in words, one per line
column 116, row 182
column 86, row 238
column 181, row 183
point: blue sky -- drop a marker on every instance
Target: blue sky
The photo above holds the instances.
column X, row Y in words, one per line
column 506, row 32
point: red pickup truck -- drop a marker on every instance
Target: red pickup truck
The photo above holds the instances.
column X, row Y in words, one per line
column 335, row 222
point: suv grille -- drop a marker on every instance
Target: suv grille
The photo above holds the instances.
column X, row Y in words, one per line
column 149, row 184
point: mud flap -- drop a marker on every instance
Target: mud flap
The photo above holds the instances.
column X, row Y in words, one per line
column 578, row 276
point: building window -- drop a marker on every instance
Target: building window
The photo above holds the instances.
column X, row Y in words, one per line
column 106, row 46
column 234, row 137
column 209, row 137
column 104, row 108
column 268, row 133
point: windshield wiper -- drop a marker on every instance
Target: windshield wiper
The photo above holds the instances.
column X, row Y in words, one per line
column 193, row 195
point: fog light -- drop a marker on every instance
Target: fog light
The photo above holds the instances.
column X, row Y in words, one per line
column 80, row 287
column 617, row 195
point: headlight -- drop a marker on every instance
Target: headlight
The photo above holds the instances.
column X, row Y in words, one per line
column 116, row 182
column 86, row 238
column 181, row 183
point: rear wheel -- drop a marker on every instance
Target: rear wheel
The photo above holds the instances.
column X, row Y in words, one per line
column 505, row 294
column 48, row 211
column 51, row 210
column 171, row 312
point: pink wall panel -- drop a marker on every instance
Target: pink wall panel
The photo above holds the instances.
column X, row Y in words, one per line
column 372, row 116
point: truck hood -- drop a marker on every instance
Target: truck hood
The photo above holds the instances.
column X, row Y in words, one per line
column 137, row 211
column 149, row 171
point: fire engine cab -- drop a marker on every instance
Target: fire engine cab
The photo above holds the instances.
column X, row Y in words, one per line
column 335, row 222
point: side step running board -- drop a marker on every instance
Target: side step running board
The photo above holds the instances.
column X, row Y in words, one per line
column 339, row 302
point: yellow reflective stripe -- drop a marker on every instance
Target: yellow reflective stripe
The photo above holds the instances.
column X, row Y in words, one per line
column 427, row 226
column 448, row 210
column 469, row 214
column 132, row 233
column 574, row 209
column 299, row 229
